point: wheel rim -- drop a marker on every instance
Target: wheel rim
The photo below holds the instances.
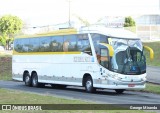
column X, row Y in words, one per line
column 27, row 79
column 88, row 85
column 34, row 81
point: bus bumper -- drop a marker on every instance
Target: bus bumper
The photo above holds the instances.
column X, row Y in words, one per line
column 118, row 84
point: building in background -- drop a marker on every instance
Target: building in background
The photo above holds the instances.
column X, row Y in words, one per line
column 148, row 26
column 111, row 21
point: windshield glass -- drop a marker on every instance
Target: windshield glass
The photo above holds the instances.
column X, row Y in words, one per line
column 128, row 56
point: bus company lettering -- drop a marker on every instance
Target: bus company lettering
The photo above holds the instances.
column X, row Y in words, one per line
column 82, row 59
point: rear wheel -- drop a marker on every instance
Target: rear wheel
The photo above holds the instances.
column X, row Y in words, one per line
column 119, row 91
column 34, row 80
column 27, row 79
column 89, row 85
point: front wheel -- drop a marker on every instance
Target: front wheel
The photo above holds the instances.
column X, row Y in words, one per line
column 119, row 91
column 89, row 85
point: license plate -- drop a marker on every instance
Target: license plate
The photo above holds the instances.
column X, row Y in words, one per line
column 132, row 77
column 131, row 85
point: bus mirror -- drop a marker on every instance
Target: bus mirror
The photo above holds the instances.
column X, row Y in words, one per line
column 110, row 48
column 151, row 52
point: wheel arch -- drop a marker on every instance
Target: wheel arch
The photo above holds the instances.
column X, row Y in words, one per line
column 84, row 78
column 33, row 73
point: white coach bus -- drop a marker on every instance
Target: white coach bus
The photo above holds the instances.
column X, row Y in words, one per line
column 92, row 57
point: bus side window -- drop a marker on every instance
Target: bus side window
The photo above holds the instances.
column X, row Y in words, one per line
column 56, row 44
column 21, row 45
column 104, row 58
column 70, row 43
column 33, row 45
column 83, row 44
column 44, row 44
column 65, row 46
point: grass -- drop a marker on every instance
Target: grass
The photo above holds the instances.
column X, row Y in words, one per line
column 156, row 48
column 5, row 68
column 152, row 88
column 18, row 97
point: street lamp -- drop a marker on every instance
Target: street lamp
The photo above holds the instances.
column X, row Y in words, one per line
column 69, row 5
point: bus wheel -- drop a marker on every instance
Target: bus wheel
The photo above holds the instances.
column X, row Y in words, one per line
column 34, row 80
column 89, row 85
column 119, row 91
column 27, row 79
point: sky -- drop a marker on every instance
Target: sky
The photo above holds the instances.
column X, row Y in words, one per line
column 50, row 12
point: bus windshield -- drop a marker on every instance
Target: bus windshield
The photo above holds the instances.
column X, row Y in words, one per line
column 128, row 56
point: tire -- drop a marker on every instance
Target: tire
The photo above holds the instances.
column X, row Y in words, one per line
column 119, row 91
column 89, row 85
column 27, row 79
column 34, row 80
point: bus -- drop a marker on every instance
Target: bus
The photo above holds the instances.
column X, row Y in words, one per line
column 91, row 57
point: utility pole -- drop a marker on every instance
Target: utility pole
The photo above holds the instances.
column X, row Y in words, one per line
column 159, row 6
column 69, row 11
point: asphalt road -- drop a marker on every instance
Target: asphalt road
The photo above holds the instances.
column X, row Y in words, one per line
column 153, row 74
column 101, row 96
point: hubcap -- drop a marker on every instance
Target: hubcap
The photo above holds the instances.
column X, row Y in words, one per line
column 35, row 81
column 27, row 79
column 88, row 85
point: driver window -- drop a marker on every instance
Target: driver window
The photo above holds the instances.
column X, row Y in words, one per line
column 104, row 58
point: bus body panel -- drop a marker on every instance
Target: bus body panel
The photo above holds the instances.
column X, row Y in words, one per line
column 55, row 68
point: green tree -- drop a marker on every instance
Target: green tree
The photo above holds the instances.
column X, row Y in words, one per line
column 2, row 40
column 9, row 26
column 129, row 22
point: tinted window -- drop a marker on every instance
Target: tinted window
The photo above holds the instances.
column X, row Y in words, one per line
column 17, row 45
column 96, row 41
column 98, row 38
column 44, row 44
column 70, row 43
column 56, row 43
column 21, row 45
column 83, row 44
column 33, row 45
column 104, row 58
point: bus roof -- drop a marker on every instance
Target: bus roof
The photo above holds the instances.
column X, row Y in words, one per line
column 53, row 33
column 112, row 32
